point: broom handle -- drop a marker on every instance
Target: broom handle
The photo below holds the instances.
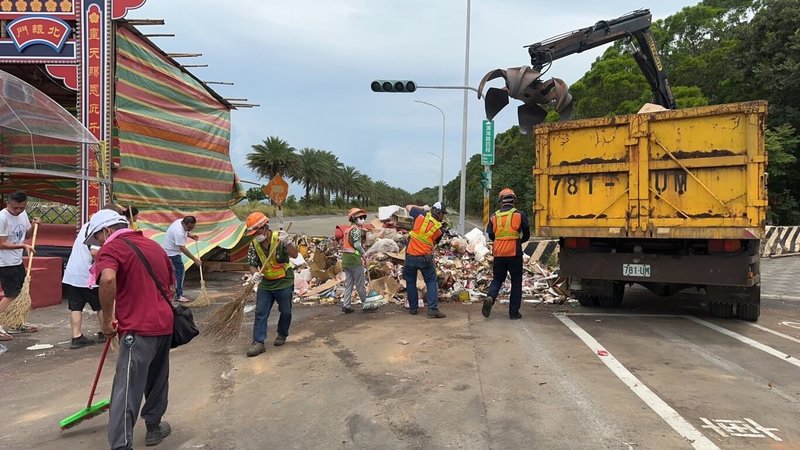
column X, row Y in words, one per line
column 197, row 249
column 99, row 369
column 33, row 245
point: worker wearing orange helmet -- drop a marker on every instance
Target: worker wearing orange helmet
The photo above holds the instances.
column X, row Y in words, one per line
column 508, row 228
column 427, row 232
column 268, row 258
column 353, row 258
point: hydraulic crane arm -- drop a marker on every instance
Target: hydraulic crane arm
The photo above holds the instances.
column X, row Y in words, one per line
column 523, row 82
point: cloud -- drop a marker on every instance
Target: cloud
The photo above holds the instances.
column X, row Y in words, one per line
column 308, row 63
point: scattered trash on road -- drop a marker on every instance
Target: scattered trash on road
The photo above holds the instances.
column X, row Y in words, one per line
column 602, row 353
column 40, row 347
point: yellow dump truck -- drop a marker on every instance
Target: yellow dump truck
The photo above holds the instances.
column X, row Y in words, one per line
column 669, row 200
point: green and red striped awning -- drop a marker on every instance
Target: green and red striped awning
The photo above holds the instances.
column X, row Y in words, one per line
column 173, row 140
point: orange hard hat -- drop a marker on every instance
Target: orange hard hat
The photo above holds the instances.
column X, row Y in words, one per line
column 355, row 212
column 507, row 193
column 255, row 221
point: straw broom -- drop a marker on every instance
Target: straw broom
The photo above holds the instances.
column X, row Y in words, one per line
column 204, row 299
column 17, row 312
column 226, row 322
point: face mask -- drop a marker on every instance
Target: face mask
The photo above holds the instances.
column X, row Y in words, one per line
column 360, row 221
column 261, row 238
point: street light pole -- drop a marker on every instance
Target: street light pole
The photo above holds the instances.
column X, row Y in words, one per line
column 441, row 160
column 462, row 201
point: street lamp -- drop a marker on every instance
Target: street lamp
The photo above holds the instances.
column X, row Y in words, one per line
column 441, row 159
column 462, row 200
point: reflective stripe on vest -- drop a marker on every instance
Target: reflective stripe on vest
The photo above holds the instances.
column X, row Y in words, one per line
column 504, row 230
column 274, row 270
column 424, row 234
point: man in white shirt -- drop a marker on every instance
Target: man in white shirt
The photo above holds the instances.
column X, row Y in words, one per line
column 175, row 245
column 15, row 227
column 79, row 289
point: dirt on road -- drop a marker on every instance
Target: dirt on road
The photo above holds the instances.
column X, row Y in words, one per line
column 391, row 380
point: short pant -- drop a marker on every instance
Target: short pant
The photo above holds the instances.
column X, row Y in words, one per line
column 79, row 297
column 11, row 279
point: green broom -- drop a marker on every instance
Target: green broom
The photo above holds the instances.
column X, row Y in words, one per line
column 374, row 298
column 17, row 312
column 204, row 299
column 91, row 410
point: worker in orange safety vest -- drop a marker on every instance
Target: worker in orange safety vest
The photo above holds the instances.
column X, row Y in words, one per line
column 353, row 258
column 508, row 228
column 419, row 256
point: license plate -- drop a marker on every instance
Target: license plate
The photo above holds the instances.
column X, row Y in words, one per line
column 636, row 270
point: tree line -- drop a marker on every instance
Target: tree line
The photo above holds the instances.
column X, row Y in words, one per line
column 326, row 181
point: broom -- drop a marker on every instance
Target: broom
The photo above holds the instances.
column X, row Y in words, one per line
column 226, row 322
column 91, row 410
column 17, row 312
column 204, row 299
column 374, row 299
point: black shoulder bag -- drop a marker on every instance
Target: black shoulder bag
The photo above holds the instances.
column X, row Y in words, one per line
column 183, row 327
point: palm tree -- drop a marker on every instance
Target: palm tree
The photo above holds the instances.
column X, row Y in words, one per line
column 309, row 170
column 330, row 179
column 349, row 178
column 273, row 156
column 363, row 188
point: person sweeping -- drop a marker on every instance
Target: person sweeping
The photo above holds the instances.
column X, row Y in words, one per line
column 268, row 258
column 15, row 227
column 353, row 258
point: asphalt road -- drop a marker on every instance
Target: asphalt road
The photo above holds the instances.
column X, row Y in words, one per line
column 654, row 374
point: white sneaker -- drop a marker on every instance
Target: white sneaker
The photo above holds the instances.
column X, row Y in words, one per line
column 183, row 299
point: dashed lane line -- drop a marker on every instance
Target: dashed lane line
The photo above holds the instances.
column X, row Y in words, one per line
column 659, row 406
column 751, row 342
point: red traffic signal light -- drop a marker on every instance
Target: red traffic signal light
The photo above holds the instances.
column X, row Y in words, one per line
column 393, row 86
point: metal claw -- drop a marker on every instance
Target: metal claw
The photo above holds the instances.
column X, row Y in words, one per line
column 523, row 83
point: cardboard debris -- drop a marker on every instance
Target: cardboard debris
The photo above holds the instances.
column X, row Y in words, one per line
column 463, row 268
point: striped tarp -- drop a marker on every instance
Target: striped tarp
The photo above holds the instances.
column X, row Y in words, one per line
column 173, row 139
column 28, row 152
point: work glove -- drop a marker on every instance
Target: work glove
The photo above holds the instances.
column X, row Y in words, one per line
column 254, row 278
column 284, row 237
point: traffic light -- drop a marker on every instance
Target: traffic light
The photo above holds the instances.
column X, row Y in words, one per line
column 486, row 180
column 393, row 86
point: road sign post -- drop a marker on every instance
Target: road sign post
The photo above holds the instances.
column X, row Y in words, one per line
column 487, row 160
column 487, row 154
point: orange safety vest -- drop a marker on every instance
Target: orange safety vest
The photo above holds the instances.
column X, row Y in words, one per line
column 422, row 236
column 274, row 270
column 506, row 232
column 347, row 245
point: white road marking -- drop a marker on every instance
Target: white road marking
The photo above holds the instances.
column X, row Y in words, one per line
column 776, row 333
column 659, row 406
column 751, row 342
column 792, row 324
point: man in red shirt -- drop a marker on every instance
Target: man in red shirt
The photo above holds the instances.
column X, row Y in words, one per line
column 144, row 323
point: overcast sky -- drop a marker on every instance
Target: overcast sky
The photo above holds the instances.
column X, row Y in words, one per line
column 309, row 64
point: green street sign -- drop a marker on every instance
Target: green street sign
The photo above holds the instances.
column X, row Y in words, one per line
column 487, row 154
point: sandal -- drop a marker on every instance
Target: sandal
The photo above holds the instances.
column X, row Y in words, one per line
column 4, row 336
column 24, row 328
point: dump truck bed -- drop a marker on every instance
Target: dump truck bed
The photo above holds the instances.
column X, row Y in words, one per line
column 697, row 173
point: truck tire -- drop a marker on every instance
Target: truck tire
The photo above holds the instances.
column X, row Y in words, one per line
column 721, row 310
column 615, row 300
column 586, row 300
column 752, row 310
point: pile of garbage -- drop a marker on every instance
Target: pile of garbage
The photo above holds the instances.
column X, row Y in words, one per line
column 463, row 269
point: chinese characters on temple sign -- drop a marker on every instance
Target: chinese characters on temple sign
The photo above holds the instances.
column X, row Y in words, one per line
column 747, row 428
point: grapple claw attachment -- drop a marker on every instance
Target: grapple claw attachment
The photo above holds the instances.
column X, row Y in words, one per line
column 523, row 83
